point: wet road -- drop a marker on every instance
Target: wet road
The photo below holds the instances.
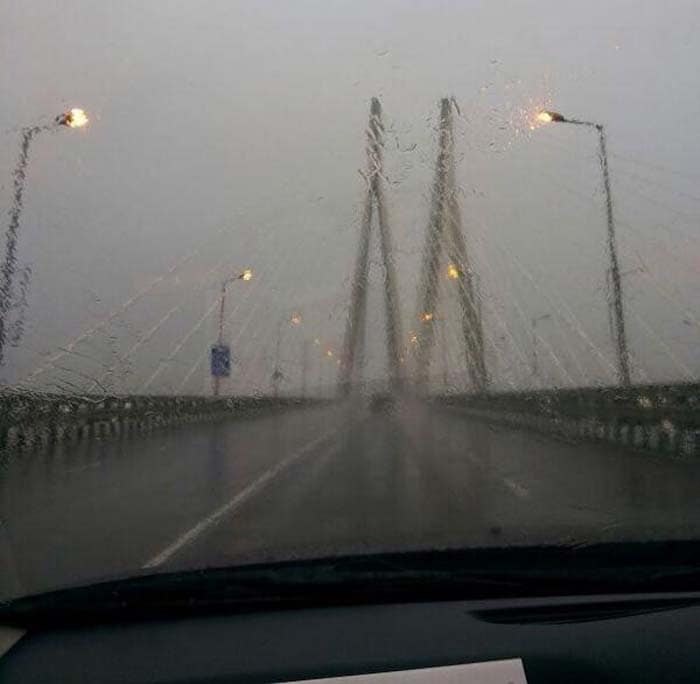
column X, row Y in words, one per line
column 323, row 481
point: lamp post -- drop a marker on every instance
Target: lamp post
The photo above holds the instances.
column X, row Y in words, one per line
column 221, row 351
column 304, row 366
column 73, row 118
column 623, row 360
column 429, row 317
column 295, row 318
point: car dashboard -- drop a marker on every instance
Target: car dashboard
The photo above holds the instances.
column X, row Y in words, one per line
column 615, row 638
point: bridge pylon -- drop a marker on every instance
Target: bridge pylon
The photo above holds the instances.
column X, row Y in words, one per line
column 352, row 360
column 445, row 255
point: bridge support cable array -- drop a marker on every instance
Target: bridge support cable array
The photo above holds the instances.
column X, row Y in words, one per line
column 551, row 296
column 103, row 324
column 355, row 332
column 646, row 273
column 561, row 311
column 148, row 335
column 440, row 317
column 444, row 235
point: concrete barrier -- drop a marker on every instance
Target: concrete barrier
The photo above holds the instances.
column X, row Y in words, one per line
column 32, row 420
column 662, row 418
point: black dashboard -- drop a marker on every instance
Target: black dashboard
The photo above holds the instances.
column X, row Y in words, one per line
column 624, row 638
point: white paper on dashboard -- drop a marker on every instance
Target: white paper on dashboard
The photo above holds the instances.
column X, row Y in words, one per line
column 492, row 672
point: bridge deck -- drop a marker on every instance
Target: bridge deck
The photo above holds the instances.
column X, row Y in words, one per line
column 324, row 480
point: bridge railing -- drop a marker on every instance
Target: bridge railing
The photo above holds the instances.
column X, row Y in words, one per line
column 661, row 418
column 29, row 420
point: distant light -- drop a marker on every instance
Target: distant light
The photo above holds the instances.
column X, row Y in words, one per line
column 544, row 117
column 427, row 316
column 452, row 272
column 295, row 319
column 247, row 274
column 413, row 338
column 317, row 342
column 73, row 118
column 329, row 353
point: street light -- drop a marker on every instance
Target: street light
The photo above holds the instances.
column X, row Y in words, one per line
column 73, row 118
column 623, row 360
column 222, row 350
column 452, row 272
column 429, row 317
column 326, row 356
column 295, row 319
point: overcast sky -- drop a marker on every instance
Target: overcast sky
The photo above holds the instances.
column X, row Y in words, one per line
column 229, row 134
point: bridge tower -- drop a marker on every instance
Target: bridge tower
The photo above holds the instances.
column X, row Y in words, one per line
column 352, row 359
column 444, row 237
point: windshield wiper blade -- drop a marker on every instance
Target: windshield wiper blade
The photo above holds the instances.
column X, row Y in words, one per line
column 415, row 576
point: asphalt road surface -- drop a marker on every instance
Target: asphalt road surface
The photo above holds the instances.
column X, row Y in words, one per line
column 322, row 481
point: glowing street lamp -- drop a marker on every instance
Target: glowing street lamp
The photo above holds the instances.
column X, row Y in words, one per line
column 452, row 272
column 295, row 319
column 548, row 117
column 429, row 317
column 623, row 360
column 245, row 275
column 73, row 118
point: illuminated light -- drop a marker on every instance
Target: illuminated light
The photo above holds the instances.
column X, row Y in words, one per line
column 547, row 116
column 295, row 319
column 329, row 353
column 317, row 342
column 413, row 338
column 247, row 274
column 427, row 316
column 452, row 272
column 74, row 118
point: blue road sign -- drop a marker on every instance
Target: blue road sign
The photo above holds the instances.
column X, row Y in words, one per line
column 220, row 360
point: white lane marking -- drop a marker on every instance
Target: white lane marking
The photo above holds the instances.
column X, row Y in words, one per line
column 234, row 503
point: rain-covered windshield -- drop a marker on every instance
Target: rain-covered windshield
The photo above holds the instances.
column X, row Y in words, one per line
column 296, row 280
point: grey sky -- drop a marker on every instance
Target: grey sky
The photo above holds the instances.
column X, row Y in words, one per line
column 249, row 117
